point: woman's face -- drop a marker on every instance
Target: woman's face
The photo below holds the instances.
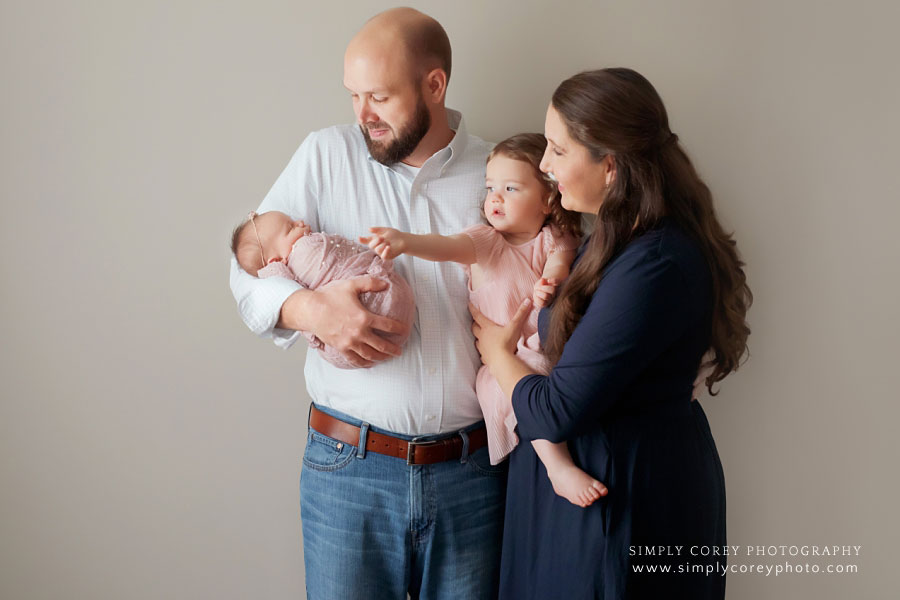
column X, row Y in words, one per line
column 582, row 180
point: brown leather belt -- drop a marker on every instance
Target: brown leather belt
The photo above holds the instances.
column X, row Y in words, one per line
column 414, row 453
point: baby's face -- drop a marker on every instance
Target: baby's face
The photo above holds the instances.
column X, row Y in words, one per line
column 516, row 201
column 278, row 234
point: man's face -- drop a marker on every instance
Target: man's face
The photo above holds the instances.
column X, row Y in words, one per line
column 389, row 143
column 389, row 106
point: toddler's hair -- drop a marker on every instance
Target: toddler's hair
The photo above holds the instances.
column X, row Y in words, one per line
column 529, row 148
column 245, row 249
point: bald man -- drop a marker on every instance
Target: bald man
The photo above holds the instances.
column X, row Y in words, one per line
column 397, row 492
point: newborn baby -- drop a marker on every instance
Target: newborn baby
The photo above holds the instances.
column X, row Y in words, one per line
column 274, row 245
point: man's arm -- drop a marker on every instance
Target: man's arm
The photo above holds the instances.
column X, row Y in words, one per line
column 295, row 193
column 388, row 243
column 335, row 315
column 259, row 303
column 279, row 308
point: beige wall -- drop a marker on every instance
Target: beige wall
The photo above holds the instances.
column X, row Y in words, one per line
column 150, row 445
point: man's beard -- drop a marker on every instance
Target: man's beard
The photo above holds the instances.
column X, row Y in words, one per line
column 406, row 140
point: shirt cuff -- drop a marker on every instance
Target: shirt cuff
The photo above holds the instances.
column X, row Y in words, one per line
column 263, row 315
column 284, row 338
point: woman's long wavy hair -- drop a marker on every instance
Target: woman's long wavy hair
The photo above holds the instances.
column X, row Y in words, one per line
column 618, row 113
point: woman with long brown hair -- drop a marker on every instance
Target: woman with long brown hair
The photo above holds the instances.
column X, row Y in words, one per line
column 657, row 283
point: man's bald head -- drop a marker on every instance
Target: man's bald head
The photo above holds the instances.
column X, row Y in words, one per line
column 424, row 40
column 396, row 70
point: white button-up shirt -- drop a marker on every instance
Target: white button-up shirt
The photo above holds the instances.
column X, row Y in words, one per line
column 334, row 185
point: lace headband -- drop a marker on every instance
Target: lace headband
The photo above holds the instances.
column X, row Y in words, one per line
column 262, row 253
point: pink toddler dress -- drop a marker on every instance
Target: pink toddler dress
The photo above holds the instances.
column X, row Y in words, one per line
column 318, row 259
column 510, row 273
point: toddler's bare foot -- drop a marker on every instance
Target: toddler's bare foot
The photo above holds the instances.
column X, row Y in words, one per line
column 575, row 485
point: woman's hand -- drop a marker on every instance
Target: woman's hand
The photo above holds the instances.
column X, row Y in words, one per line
column 494, row 341
column 386, row 242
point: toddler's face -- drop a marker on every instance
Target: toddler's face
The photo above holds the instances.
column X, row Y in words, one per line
column 278, row 233
column 516, row 201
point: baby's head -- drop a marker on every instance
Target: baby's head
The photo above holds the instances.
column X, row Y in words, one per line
column 519, row 158
column 265, row 238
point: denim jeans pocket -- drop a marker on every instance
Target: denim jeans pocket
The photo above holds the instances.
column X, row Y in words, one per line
column 480, row 462
column 326, row 454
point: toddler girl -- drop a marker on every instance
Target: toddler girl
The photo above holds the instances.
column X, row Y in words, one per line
column 274, row 245
column 525, row 251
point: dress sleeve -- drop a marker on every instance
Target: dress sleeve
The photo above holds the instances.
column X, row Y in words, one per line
column 488, row 243
column 563, row 242
column 633, row 317
column 295, row 193
column 550, row 243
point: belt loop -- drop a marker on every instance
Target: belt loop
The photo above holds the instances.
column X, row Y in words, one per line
column 361, row 448
column 464, row 458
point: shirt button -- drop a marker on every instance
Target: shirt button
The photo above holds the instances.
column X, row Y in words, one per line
column 430, row 417
column 432, row 371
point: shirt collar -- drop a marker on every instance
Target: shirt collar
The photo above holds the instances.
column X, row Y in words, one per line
column 458, row 144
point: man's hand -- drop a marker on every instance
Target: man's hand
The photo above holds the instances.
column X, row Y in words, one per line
column 387, row 242
column 544, row 291
column 335, row 315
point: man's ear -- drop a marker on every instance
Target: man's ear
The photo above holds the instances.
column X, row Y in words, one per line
column 435, row 85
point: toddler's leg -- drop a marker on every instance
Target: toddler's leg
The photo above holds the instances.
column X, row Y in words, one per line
column 568, row 481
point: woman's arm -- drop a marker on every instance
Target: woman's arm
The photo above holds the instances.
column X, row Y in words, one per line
column 497, row 346
column 388, row 242
column 631, row 319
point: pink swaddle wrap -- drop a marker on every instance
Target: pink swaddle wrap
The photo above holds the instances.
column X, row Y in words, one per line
column 318, row 259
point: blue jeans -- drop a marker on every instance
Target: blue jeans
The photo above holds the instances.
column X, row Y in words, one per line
column 375, row 527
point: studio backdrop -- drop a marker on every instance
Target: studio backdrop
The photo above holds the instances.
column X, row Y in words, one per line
column 150, row 445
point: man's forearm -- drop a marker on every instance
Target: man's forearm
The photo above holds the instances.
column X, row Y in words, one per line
column 295, row 312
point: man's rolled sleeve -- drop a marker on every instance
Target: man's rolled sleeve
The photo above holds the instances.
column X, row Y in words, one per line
column 295, row 193
column 259, row 303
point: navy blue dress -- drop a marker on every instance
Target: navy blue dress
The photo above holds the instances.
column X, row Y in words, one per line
column 621, row 397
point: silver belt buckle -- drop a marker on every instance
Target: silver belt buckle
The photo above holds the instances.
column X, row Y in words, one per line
column 410, row 449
